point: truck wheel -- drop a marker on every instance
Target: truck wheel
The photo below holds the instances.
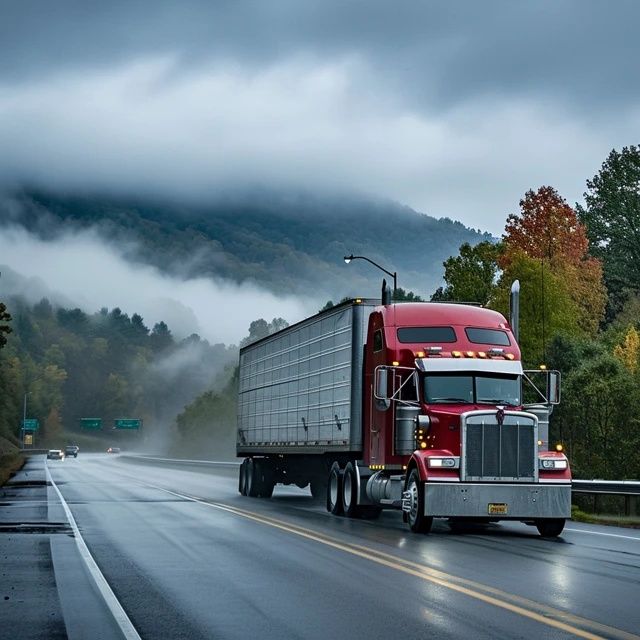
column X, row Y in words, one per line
column 242, row 478
column 334, row 490
column 263, row 473
column 350, row 491
column 252, row 481
column 414, row 493
column 550, row 527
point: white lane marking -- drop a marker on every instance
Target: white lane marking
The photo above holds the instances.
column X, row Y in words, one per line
column 599, row 533
column 119, row 614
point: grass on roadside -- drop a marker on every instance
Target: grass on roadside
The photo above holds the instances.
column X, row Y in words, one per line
column 9, row 465
column 632, row 522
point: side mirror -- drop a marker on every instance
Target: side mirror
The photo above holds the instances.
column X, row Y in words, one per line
column 553, row 387
column 381, row 389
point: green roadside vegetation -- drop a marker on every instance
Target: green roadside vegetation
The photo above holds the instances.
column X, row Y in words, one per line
column 631, row 522
column 11, row 460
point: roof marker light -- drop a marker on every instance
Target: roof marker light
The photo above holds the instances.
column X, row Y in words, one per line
column 456, row 354
column 470, row 354
column 395, row 363
column 419, row 354
column 509, row 356
column 482, row 354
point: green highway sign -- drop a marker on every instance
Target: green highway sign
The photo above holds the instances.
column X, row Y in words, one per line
column 30, row 424
column 128, row 423
column 91, row 423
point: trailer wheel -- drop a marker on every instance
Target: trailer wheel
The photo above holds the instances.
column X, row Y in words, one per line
column 414, row 495
column 265, row 483
column 550, row 527
column 334, row 490
column 242, row 478
column 252, row 481
column 350, row 491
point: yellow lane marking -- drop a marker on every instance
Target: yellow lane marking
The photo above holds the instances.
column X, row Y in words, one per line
column 515, row 604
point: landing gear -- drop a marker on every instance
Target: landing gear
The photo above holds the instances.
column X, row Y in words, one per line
column 550, row 527
column 413, row 504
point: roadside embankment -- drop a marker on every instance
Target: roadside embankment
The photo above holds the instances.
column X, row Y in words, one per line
column 11, row 460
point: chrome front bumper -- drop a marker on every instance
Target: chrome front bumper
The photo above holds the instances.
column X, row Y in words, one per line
column 475, row 500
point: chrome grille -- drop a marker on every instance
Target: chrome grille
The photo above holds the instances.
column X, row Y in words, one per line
column 499, row 452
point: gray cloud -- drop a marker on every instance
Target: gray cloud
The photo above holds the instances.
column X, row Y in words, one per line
column 453, row 108
column 82, row 269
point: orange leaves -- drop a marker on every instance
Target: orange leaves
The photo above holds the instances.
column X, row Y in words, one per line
column 546, row 228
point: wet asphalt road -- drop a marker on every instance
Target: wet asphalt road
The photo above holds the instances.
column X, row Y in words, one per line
column 188, row 557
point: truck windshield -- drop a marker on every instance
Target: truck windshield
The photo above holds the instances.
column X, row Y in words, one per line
column 472, row 389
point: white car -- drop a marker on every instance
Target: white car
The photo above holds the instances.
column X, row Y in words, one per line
column 55, row 454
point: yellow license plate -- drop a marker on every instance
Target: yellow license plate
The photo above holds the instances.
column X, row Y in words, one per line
column 498, row 508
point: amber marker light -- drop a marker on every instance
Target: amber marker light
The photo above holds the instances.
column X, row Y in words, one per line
column 510, row 356
column 423, row 445
column 395, row 363
column 419, row 354
column 543, row 367
column 559, row 447
column 456, row 354
column 482, row 354
column 470, row 354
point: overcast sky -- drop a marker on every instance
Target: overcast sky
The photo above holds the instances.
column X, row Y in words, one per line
column 454, row 108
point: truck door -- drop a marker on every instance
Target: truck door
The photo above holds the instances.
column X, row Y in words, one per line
column 378, row 418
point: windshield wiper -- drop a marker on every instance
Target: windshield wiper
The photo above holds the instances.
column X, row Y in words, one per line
column 496, row 401
column 461, row 400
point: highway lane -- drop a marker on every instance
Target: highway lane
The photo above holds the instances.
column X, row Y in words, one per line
column 187, row 557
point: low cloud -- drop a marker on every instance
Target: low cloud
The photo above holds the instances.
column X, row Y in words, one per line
column 152, row 128
column 83, row 270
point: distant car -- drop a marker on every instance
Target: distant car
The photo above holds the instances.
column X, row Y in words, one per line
column 113, row 450
column 71, row 450
column 55, row 454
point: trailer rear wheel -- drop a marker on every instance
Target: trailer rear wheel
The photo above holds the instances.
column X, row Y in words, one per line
column 334, row 490
column 350, row 491
column 242, row 478
column 550, row 527
column 251, row 481
column 418, row 522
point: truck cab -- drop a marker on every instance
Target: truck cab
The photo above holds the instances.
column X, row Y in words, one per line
column 447, row 431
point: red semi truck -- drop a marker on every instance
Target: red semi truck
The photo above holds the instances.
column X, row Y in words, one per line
column 410, row 406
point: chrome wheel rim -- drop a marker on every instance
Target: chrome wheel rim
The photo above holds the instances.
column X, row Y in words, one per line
column 346, row 490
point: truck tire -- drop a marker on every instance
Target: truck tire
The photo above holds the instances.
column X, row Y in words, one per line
column 263, row 473
column 334, row 490
column 242, row 478
column 550, row 527
column 350, row 491
column 252, row 481
column 418, row 522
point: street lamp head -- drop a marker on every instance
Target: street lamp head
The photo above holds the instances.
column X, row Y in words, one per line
column 348, row 259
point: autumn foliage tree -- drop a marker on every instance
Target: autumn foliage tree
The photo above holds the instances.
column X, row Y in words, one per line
column 546, row 247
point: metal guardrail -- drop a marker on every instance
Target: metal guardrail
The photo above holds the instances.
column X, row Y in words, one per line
column 611, row 487
column 181, row 462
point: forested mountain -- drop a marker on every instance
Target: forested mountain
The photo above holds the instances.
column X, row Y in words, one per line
column 60, row 365
column 282, row 242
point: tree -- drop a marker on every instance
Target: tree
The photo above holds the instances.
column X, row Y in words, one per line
column 260, row 328
column 612, row 218
column 547, row 233
column 5, row 329
column 470, row 276
column 629, row 351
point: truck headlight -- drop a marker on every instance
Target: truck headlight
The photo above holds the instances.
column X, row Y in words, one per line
column 439, row 463
column 553, row 464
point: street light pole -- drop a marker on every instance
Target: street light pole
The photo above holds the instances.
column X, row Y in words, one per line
column 393, row 274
